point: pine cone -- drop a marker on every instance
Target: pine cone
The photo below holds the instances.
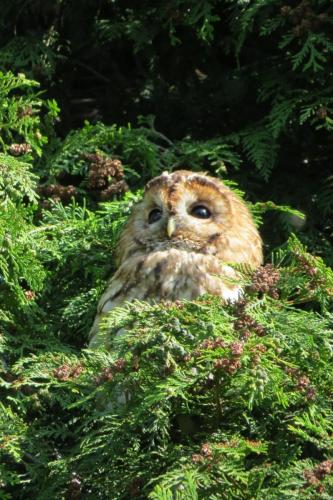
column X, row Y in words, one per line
column 74, row 488
column 105, row 175
column 264, row 279
column 26, row 111
column 115, row 189
column 62, row 372
column 285, row 10
column 206, row 450
column 29, row 295
column 321, row 112
column 57, row 192
column 119, row 365
column 65, row 372
column 105, row 376
column 20, row 149
column 228, row 365
column 237, row 348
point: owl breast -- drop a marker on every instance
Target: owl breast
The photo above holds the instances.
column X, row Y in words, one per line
column 167, row 275
column 170, row 275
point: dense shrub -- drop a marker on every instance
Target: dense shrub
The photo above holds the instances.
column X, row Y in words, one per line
column 223, row 401
column 252, row 78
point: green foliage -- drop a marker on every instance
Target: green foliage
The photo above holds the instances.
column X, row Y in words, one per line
column 21, row 135
column 16, row 181
column 236, row 85
column 20, row 112
column 219, row 398
column 18, row 249
column 144, row 151
column 25, row 52
column 193, row 399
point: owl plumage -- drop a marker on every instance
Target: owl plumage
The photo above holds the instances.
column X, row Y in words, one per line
column 178, row 244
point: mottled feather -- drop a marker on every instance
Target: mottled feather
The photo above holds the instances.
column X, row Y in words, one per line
column 181, row 255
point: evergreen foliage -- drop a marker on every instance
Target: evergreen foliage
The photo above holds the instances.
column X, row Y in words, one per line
column 193, row 399
column 222, row 402
column 238, row 87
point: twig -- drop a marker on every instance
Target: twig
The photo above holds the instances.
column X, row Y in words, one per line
column 92, row 70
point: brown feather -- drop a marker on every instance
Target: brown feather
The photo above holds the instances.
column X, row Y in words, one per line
column 194, row 260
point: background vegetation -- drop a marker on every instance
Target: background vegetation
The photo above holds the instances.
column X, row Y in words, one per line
column 223, row 402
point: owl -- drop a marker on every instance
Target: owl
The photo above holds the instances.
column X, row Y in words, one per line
column 179, row 243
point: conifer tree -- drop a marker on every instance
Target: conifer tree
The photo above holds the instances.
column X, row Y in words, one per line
column 221, row 400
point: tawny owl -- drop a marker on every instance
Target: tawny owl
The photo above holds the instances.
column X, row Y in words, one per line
column 178, row 243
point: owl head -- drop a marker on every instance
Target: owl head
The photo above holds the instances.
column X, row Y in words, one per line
column 193, row 213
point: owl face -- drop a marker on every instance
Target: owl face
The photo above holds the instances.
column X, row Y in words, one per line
column 194, row 213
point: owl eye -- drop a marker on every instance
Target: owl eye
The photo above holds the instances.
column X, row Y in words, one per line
column 201, row 212
column 154, row 215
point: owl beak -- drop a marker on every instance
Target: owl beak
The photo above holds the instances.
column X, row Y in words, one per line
column 171, row 227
